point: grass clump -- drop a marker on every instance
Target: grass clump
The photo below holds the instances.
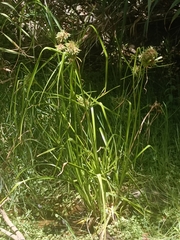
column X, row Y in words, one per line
column 82, row 163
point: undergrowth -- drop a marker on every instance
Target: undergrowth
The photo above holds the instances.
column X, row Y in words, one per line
column 69, row 157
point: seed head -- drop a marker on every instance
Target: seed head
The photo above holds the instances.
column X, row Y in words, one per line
column 148, row 57
column 71, row 48
column 60, row 47
column 62, row 36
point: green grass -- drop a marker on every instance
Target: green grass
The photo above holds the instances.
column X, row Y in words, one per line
column 162, row 226
column 102, row 168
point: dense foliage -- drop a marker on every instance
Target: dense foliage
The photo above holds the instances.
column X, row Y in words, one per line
column 90, row 99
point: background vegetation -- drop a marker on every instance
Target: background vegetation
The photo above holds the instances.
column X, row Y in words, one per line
column 89, row 118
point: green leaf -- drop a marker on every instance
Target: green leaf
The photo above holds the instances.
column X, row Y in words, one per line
column 174, row 4
column 176, row 15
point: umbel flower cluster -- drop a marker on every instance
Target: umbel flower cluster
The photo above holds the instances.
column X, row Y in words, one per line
column 149, row 57
column 63, row 45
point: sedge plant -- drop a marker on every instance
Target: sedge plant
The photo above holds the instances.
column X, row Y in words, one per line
column 73, row 132
column 66, row 133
